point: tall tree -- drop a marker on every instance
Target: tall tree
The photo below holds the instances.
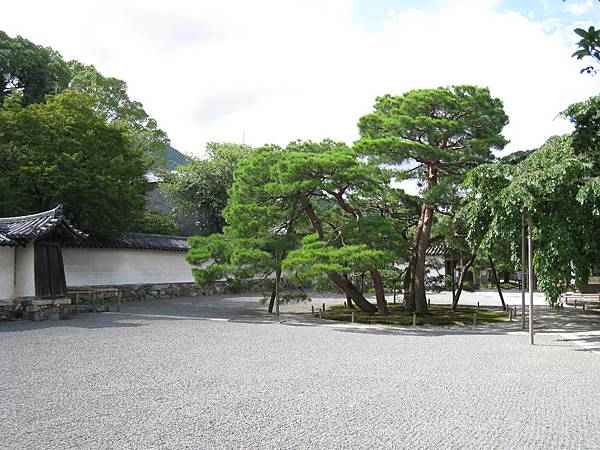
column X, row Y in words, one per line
column 199, row 189
column 30, row 69
column 440, row 133
column 112, row 100
column 63, row 151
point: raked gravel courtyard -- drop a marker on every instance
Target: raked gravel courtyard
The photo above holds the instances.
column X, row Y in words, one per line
column 217, row 372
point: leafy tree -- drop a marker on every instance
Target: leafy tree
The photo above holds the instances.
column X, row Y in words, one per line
column 440, row 133
column 589, row 47
column 562, row 208
column 334, row 190
column 112, row 100
column 30, row 69
column 63, row 151
column 155, row 223
column 199, row 189
column 259, row 234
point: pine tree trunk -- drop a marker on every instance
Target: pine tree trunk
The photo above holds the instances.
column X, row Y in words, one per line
column 352, row 292
column 422, row 243
column 419, row 283
column 338, row 279
column 379, row 291
column 409, row 279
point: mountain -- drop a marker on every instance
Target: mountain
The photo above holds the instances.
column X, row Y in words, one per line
column 175, row 158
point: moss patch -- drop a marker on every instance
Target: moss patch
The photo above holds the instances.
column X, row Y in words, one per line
column 439, row 316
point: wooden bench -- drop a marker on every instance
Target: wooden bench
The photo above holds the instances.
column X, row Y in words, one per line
column 578, row 299
column 94, row 293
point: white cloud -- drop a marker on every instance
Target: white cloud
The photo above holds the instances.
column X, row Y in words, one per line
column 283, row 70
column 579, row 8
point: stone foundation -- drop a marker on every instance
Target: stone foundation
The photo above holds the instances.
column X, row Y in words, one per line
column 166, row 290
column 36, row 309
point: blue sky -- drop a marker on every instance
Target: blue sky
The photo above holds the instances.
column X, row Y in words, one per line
column 568, row 14
column 280, row 70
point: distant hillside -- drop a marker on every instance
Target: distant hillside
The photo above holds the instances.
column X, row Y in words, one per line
column 175, row 158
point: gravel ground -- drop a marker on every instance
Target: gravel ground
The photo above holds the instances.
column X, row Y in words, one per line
column 218, row 373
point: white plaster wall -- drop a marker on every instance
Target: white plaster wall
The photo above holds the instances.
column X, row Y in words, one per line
column 25, row 285
column 94, row 267
column 7, row 273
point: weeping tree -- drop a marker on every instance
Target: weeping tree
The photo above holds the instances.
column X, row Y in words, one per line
column 439, row 134
column 554, row 186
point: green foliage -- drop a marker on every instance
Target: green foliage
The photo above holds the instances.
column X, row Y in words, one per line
column 549, row 185
column 63, row 151
column 155, row 223
column 113, row 102
column 589, row 46
column 439, row 316
column 199, row 189
column 30, row 69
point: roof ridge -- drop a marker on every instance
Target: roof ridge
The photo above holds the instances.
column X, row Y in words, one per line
column 55, row 213
column 153, row 234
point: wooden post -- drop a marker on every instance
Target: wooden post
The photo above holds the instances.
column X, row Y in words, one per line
column 94, row 301
column 523, row 256
column 530, row 248
column 77, row 303
column 414, row 320
column 474, row 318
column 320, row 314
column 352, row 316
column 277, row 285
column 312, row 310
column 119, row 300
column 345, row 307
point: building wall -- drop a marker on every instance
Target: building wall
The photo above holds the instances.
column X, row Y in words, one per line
column 7, row 273
column 25, row 285
column 98, row 267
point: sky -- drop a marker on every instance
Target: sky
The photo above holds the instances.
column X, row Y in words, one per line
column 273, row 71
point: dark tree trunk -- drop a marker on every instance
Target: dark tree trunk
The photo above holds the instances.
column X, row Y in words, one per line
column 338, row 279
column 497, row 283
column 419, row 283
column 461, row 281
column 379, row 291
column 272, row 301
column 352, row 292
column 409, row 280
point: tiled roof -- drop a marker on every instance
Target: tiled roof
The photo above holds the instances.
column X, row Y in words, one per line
column 19, row 230
column 138, row 241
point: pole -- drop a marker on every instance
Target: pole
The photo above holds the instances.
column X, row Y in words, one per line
column 276, row 285
column 452, row 272
column 530, row 249
column 523, row 256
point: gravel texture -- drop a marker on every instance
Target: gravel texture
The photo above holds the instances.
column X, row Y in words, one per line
column 216, row 372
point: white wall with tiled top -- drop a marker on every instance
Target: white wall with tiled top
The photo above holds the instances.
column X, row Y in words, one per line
column 98, row 267
column 7, row 273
